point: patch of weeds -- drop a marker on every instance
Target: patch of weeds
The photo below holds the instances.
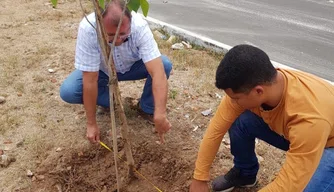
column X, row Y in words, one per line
column 9, row 122
column 32, row 18
column 10, row 69
column 39, row 145
column 38, row 78
column 41, row 118
column 20, row 87
column 33, row 60
column 216, row 55
column 197, row 47
column 173, row 93
column 45, row 50
column 41, row 88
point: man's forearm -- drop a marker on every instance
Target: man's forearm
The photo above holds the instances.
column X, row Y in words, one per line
column 160, row 89
column 89, row 100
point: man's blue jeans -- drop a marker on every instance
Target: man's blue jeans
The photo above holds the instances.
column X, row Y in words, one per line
column 250, row 126
column 71, row 90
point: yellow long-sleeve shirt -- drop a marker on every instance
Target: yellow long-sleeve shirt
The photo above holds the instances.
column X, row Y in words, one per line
column 304, row 116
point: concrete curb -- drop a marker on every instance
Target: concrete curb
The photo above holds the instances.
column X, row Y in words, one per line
column 199, row 39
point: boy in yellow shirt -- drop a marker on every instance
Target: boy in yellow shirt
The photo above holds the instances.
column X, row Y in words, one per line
column 289, row 109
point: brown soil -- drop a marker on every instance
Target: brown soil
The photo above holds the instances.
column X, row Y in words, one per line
column 46, row 135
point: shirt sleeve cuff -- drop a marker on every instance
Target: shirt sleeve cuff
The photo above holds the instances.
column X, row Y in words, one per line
column 198, row 175
column 86, row 68
column 147, row 58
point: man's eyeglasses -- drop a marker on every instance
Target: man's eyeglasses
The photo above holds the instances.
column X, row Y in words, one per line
column 124, row 37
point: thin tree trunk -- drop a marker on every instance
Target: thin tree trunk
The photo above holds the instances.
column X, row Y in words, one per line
column 114, row 91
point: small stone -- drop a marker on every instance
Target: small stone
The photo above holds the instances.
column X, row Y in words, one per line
column 195, row 128
column 187, row 45
column 81, row 112
column 51, row 70
column 207, row 112
column 7, row 148
column 2, row 99
column 171, row 39
column 165, row 1
column 7, row 142
column 40, row 177
column 33, row 178
column 58, row 149
column 158, row 142
column 260, row 158
column 20, row 143
column 226, row 141
column 68, row 168
column 43, row 126
column 178, row 46
column 53, row 80
column 164, row 160
column 59, row 188
column 5, row 161
column 187, row 116
column 159, row 34
column 105, row 189
column 30, row 173
column 19, row 94
column 218, row 96
column 194, row 108
column 186, row 148
column 80, row 154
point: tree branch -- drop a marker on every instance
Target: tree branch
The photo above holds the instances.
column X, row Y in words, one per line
column 114, row 90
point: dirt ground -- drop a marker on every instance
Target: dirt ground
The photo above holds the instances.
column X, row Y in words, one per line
column 47, row 136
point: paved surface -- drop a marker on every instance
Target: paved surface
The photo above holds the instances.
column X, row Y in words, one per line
column 296, row 33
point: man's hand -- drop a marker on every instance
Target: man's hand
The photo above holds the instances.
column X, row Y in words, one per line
column 198, row 186
column 93, row 133
column 162, row 126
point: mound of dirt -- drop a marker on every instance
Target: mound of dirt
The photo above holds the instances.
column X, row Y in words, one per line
column 94, row 170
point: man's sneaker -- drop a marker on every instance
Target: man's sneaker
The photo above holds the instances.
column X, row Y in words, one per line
column 232, row 179
column 144, row 115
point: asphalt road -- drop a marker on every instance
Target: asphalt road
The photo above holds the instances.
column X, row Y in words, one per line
column 296, row 33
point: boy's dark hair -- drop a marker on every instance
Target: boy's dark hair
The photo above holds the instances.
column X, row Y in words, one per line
column 243, row 68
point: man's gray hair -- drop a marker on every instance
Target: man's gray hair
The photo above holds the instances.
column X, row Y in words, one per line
column 116, row 17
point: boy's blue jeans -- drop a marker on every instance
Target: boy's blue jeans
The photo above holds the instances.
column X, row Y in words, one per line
column 71, row 90
column 250, row 126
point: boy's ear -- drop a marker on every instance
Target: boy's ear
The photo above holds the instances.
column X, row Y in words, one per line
column 259, row 89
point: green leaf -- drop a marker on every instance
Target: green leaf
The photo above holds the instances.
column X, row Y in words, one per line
column 54, row 3
column 134, row 5
column 145, row 7
column 101, row 4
